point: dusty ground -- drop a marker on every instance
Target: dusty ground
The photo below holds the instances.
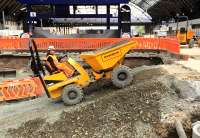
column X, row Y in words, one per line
column 146, row 109
column 108, row 113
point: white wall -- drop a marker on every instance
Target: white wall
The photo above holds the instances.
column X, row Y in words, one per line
column 10, row 32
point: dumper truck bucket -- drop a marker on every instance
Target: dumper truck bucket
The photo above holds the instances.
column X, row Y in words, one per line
column 107, row 58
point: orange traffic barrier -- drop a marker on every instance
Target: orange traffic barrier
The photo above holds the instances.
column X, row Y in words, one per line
column 83, row 44
column 20, row 89
column 162, row 44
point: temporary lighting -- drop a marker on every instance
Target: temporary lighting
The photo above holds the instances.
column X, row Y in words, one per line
column 23, row 9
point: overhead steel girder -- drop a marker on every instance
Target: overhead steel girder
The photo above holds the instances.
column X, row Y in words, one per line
column 72, row 2
column 2, row 4
column 6, row 4
column 18, row 6
column 46, row 16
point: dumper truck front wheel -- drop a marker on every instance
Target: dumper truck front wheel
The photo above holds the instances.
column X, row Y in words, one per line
column 121, row 76
column 72, row 94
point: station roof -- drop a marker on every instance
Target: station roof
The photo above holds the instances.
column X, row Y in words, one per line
column 164, row 9
column 158, row 9
column 10, row 7
column 145, row 4
column 138, row 15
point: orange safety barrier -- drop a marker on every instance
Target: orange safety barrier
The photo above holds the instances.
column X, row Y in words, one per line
column 9, row 44
column 20, row 89
column 70, row 43
column 83, row 44
column 165, row 44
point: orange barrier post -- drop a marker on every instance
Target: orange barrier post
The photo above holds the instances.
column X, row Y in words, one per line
column 1, row 93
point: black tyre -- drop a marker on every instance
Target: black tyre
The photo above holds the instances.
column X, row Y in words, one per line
column 72, row 94
column 122, row 76
column 191, row 43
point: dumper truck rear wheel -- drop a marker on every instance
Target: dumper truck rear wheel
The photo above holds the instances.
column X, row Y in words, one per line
column 121, row 76
column 72, row 94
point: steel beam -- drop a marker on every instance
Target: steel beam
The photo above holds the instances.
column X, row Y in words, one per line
column 46, row 16
column 73, row 2
column 2, row 4
column 11, row 11
column 7, row 3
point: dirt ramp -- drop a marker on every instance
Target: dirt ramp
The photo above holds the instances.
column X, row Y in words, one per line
column 129, row 112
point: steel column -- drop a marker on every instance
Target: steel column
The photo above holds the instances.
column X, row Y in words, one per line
column 3, row 17
column 30, row 25
column 108, row 16
column 119, row 20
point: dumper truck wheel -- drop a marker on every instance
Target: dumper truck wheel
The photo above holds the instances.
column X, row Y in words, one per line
column 72, row 94
column 121, row 76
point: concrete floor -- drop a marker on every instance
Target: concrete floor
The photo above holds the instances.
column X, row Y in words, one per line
column 191, row 52
column 194, row 60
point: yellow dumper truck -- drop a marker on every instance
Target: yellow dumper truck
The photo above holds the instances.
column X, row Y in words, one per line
column 104, row 63
column 185, row 34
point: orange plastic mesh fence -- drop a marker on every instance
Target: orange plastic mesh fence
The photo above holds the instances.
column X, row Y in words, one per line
column 84, row 44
